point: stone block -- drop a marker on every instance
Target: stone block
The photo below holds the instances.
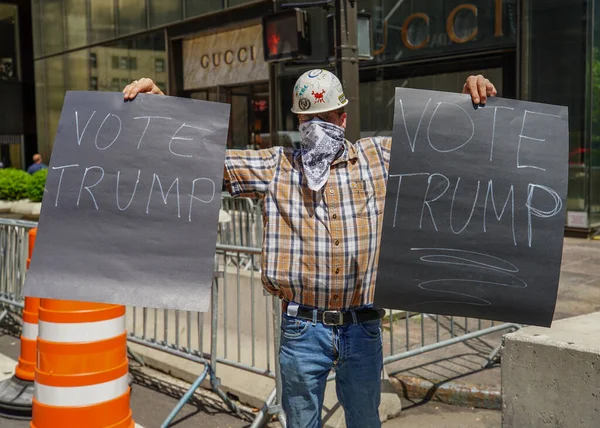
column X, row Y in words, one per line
column 551, row 376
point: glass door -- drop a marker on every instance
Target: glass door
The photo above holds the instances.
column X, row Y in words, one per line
column 249, row 118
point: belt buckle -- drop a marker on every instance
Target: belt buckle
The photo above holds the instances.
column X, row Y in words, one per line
column 337, row 318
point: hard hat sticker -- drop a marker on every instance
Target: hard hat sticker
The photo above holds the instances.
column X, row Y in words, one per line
column 304, row 104
column 301, row 91
column 314, row 73
column 318, row 96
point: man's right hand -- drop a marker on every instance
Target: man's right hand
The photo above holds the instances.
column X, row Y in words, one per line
column 144, row 86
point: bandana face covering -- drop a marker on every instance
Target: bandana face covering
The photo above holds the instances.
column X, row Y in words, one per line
column 321, row 141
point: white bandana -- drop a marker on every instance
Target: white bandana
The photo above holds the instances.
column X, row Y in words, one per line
column 321, row 142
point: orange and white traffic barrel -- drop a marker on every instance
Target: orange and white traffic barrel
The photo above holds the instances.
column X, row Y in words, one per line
column 26, row 367
column 82, row 375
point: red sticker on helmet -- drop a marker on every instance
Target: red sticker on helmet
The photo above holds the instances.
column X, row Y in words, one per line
column 319, row 96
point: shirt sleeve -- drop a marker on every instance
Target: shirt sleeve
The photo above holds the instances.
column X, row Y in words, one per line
column 385, row 143
column 248, row 173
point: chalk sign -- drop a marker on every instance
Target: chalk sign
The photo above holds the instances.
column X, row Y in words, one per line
column 475, row 208
column 130, row 211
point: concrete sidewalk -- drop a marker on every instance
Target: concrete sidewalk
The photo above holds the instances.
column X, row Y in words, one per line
column 155, row 394
column 430, row 414
column 436, row 375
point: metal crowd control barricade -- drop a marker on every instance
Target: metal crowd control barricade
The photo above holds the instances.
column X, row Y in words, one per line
column 240, row 224
column 244, row 326
column 242, row 320
column 14, row 244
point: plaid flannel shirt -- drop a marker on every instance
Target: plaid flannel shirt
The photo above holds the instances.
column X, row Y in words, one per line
column 320, row 249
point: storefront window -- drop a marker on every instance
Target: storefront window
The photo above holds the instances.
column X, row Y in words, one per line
column 132, row 16
column 77, row 23
column 556, row 29
column 102, row 20
column 164, row 12
column 200, row 7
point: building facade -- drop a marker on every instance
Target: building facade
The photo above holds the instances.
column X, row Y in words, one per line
column 543, row 51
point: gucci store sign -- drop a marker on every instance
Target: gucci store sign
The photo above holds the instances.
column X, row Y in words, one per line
column 224, row 58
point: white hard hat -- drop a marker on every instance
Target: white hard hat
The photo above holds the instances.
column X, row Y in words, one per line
column 318, row 91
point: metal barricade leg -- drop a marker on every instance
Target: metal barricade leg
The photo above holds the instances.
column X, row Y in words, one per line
column 278, row 410
column 210, row 368
column 136, row 357
column 272, row 406
column 186, row 397
column 215, row 382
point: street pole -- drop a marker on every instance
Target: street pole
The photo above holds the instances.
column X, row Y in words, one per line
column 346, row 61
column 273, row 97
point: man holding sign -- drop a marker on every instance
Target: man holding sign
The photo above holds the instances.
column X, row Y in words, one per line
column 323, row 209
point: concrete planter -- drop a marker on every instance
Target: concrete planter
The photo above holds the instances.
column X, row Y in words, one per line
column 26, row 209
column 6, row 206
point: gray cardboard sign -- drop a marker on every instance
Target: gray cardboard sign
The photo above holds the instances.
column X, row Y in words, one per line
column 475, row 208
column 132, row 199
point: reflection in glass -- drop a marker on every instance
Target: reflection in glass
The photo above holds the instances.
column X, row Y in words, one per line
column 164, row 12
column 594, row 155
column 51, row 18
column 132, row 16
column 36, row 24
column 119, row 63
column 9, row 58
column 238, row 2
column 420, row 28
column 55, row 92
column 200, row 7
column 76, row 20
column 545, row 39
column 377, row 117
column 11, row 122
column 102, row 20
column 41, row 114
column 78, row 69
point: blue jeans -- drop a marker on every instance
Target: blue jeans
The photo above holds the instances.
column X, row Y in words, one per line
column 310, row 350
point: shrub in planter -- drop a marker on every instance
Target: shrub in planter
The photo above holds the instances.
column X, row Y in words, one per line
column 13, row 184
column 35, row 188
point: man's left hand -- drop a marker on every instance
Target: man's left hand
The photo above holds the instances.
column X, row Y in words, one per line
column 480, row 88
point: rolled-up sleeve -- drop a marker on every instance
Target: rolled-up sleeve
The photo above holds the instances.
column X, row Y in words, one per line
column 248, row 173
